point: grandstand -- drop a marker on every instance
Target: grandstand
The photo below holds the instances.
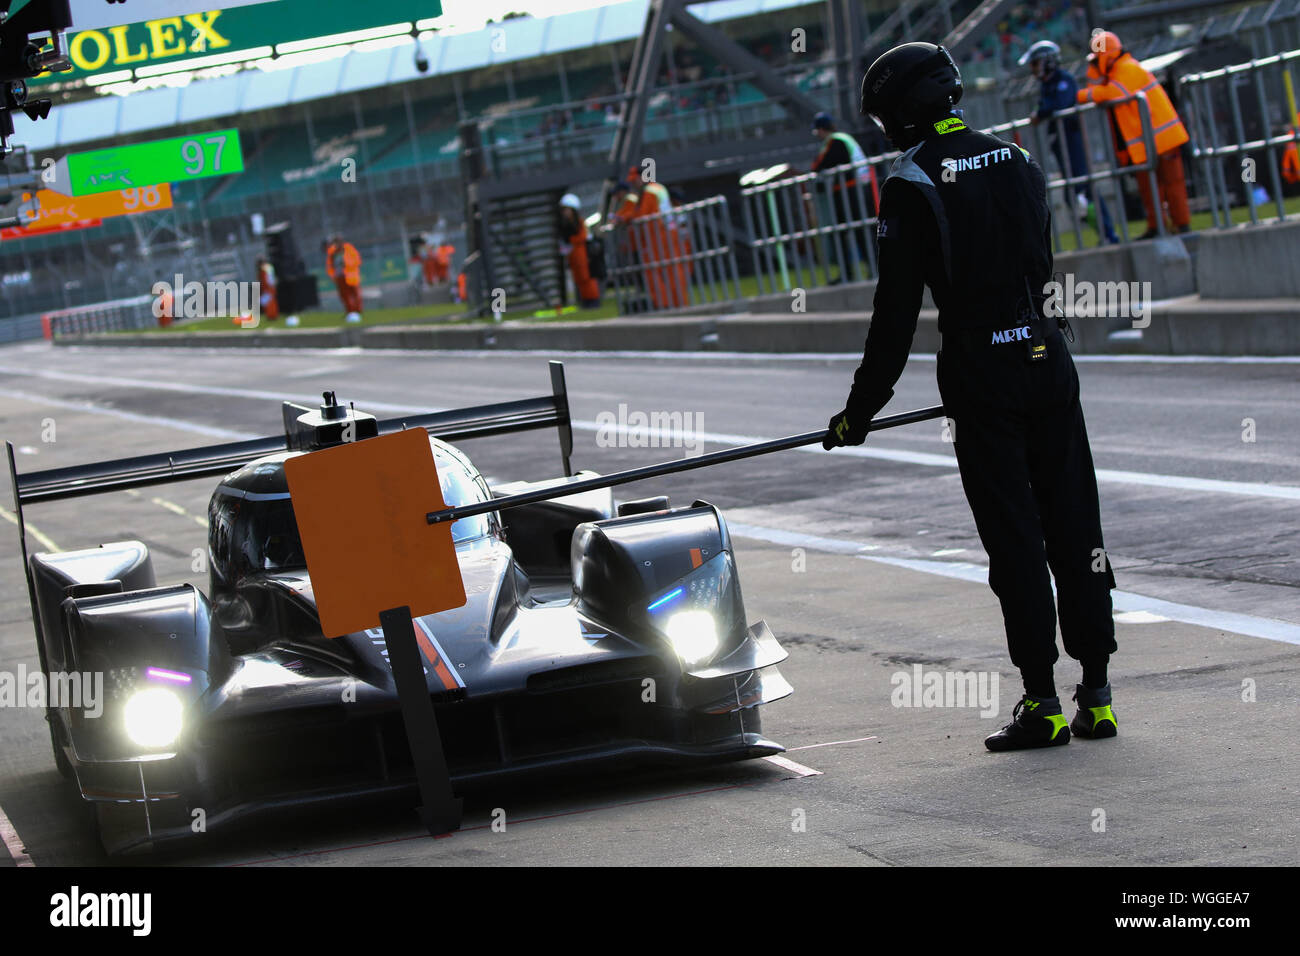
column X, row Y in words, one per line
column 545, row 97
column 554, row 94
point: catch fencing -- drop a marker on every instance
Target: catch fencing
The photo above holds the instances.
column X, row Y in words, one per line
column 816, row 228
column 1244, row 116
column 1094, row 195
column 819, row 228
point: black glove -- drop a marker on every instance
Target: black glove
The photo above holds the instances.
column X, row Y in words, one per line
column 844, row 429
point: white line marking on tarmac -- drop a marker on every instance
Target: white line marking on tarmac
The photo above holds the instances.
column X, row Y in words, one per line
column 320, row 370
column 793, row 767
column 1104, row 475
column 89, row 408
column 1139, row 617
column 832, row 743
column 798, row 538
column 1179, row 482
column 45, row 540
column 12, row 843
column 186, row 388
column 642, row 354
column 1262, row 627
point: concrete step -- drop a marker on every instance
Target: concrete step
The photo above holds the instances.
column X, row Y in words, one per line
column 1186, row 325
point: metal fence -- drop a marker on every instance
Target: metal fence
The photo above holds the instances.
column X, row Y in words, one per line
column 1082, row 193
column 118, row 315
column 673, row 259
column 819, row 228
column 814, row 222
column 1255, row 102
column 20, row 328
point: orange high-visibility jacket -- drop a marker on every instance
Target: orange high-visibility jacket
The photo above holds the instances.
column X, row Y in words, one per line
column 657, row 241
column 1123, row 77
column 1291, row 159
column 654, row 199
column 627, row 207
column 351, row 263
column 587, row 287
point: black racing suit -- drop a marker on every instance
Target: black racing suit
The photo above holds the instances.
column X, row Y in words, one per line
column 966, row 214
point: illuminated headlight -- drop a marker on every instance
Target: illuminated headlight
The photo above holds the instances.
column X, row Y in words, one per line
column 693, row 634
column 700, row 613
column 153, row 717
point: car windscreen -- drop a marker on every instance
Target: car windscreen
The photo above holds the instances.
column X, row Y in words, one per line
column 250, row 532
column 253, row 533
column 459, row 487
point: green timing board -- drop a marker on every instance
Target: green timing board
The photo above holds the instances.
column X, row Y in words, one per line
column 174, row 160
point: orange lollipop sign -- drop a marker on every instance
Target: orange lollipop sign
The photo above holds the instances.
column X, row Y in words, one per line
column 360, row 509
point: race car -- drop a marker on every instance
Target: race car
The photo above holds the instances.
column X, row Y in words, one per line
column 595, row 633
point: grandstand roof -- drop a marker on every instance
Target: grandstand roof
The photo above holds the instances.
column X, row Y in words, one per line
column 357, row 69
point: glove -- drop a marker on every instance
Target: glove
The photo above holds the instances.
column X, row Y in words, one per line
column 843, row 429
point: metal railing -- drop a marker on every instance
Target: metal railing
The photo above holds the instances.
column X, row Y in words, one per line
column 1266, row 131
column 1095, row 130
column 673, row 259
column 814, row 221
column 115, row 316
column 819, row 228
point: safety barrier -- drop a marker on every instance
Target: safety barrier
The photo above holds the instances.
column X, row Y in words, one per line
column 672, row 259
column 1095, row 127
column 114, row 316
column 819, row 228
column 1238, row 98
column 808, row 223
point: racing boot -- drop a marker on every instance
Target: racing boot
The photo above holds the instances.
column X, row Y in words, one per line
column 1035, row 722
column 1094, row 719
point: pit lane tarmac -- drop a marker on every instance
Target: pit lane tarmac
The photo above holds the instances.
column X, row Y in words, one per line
column 865, row 566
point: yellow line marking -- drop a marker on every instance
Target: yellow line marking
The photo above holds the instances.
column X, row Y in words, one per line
column 174, row 508
column 44, row 539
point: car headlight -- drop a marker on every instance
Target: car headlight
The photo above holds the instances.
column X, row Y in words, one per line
column 693, row 635
column 153, row 717
column 698, row 612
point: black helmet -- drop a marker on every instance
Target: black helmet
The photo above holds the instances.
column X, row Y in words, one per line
column 909, row 86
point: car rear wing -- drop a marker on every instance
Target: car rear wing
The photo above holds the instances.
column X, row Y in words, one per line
column 479, row 421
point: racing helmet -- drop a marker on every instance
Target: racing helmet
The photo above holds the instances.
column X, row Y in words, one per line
column 909, row 86
column 1044, row 51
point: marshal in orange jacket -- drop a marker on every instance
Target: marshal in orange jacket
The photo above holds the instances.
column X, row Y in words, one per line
column 1291, row 159
column 351, row 262
column 1121, row 76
